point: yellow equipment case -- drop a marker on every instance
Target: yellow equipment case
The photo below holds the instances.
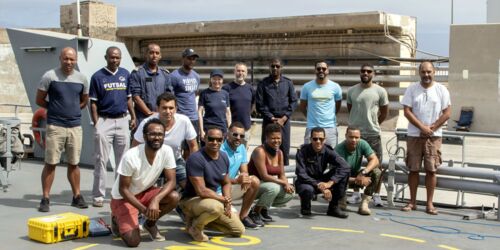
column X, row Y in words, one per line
column 59, row 227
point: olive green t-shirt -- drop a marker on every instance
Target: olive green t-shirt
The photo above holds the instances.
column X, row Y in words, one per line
column 365, row 104
column 354, row 158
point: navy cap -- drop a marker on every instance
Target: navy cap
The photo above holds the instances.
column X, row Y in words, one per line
column 217, row 72
column 189, row 52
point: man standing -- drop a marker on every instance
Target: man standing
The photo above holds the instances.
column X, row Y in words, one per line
column 110, row 99
column 178, row 129
column 243, row 184
column 134, row 192
column 241, row 98
column 147, row 82
column 321, row 170
column 207, row 170
column 320, row 101
column 368, row 106
column 427, row 107
column 276, row 100
column 63, row 92
column 185, row 83
column 353, row 149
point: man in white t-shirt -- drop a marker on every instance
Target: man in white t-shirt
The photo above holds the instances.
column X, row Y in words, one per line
column 134, row 191
column 427, row 108
column 178, row 128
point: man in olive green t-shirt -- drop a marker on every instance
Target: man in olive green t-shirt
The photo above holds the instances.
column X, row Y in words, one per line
column 353, row 149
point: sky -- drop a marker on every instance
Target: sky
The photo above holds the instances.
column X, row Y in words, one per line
column 433, row 16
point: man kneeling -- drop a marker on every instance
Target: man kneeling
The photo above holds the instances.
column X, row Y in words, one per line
column 133, row 192
column 207, row 169
column 320, row 170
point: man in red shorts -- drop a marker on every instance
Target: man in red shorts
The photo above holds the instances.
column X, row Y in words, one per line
column 134, row 193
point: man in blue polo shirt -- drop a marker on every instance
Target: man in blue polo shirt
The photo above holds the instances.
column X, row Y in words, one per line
column 241, row 98
column 147, row 82
column 63, row 91
column 243, row 185
column 110, row 99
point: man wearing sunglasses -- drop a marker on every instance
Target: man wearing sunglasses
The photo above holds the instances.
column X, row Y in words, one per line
column 320, row 170
column 207, row 169
column 276, row 100
column 353, row 149
column 243, row 185
column 368, row 106
column 320, row 101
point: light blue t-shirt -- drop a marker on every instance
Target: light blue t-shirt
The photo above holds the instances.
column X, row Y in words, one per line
column 321, row 103
column 236, row 158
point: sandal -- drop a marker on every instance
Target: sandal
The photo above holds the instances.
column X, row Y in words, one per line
column 431, row 211
column 409, row 207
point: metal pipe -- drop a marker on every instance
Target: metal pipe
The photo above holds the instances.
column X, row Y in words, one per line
column 78, row 21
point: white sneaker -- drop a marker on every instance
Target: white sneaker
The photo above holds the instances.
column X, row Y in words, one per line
column 355, row 198
column 377, row 201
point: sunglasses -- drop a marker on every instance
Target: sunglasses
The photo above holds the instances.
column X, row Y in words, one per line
column 275, row 66
column 236, row 135
column 321, row 69
column 318, row 139
column 366, row 71
column 215, row 139
column 155, row 135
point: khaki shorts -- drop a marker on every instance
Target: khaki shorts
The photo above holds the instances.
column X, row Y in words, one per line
column 59, row 139
column 426, row 149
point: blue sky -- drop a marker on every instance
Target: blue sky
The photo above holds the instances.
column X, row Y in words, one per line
column 433, row 16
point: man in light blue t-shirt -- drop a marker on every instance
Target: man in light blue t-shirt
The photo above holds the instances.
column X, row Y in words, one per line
column 320, row 101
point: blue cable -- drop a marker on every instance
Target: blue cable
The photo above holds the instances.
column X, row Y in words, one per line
column 441, row 229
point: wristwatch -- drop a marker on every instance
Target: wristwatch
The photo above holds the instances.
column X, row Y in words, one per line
column 364, row 172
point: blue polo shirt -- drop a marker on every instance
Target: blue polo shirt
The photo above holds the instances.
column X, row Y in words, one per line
column 185, row 87
column 236, row 158
column 110, row 91
column 199, row 164
column 215, row 104
column 241, row 98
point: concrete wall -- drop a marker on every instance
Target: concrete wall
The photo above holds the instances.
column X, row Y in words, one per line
column 474, row 74
column 98, row 19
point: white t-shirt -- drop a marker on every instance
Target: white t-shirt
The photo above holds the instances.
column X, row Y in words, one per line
column 182, row 130
column 426, row 104
column 144, row 175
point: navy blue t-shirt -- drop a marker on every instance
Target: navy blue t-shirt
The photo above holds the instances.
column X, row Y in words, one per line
column 185, row 87
column 110, row 91
column 241, row 98
column 199, row 164
column 215, row 104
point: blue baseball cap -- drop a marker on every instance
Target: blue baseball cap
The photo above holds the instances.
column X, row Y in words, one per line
column 217, row 72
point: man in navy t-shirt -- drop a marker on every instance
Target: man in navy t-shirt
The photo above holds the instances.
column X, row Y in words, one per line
column 147, row 82
column 207, row 169
column 241, row 98
column 110, row 99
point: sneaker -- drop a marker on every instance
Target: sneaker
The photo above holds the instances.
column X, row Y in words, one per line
column 248, row 223
column 256, row 218
column 197, row 234
column 337, row 212
column 355, row 198
column 305, row 212
column 142, row 219
column 98, row 203
column 114, row 227
column 44, row 205
column 377, row 201
column 154, row 232
column 265, row 215
column 79, row 202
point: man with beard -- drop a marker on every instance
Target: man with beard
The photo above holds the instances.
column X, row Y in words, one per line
column 368, row 106
column 110, row 99
column 276, row 100
column 321, row 170
column 427, row 107
column 147, row 82
column 185, row 83
column 207, row 169
column 320, row 101
column 134, row 191
column 178, row 129
column 241, row 98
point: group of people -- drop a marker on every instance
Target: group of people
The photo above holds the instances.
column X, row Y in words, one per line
column 198, row 149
